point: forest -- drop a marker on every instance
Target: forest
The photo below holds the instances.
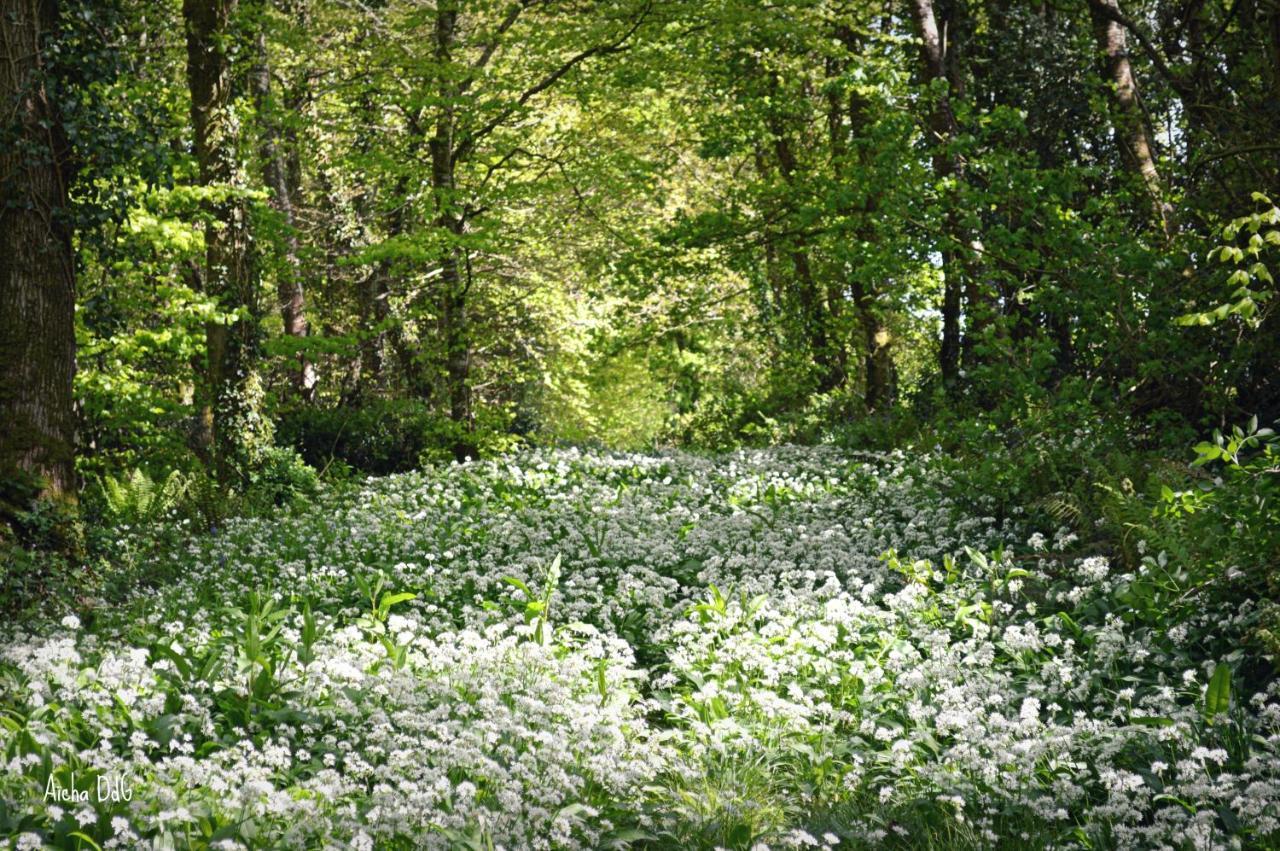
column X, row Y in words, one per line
column 651, row 424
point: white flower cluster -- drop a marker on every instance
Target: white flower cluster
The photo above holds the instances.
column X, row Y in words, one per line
column 724, row 657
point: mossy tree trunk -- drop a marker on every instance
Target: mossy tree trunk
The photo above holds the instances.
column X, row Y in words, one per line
column 232, row 392
column 37, row 273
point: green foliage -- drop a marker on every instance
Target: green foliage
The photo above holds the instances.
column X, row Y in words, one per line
column 383, row 436
column 42, row 547
column 1193, row 539
column 281, row 477
column 136, row 498
column 30, row 577
column 537, row 607
column 1250, row 280
column 697, row 238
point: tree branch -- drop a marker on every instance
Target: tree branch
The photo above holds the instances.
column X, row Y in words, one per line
column 1148, row 46
column 468, row 143
column 489, row 49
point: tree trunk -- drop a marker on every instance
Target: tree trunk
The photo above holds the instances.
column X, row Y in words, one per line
column 275, row 173
column 813, row 314
column 775, row 297
column 877, row 355
column 457, row 344
column 37, row 277
column 453, row 288
column 943, row 128
column 1130, row 123
column 373, row 315
column 1273, row 27
column 374, row 290
column 374, row 295
column 877, row 351
column 232, row 392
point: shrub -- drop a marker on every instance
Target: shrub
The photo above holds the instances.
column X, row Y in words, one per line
column 386, row 436
column 280, row 478
column 1205, row 533
column 40, row 550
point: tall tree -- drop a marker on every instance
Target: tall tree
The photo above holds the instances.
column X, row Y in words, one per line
column 1129, row 118
column 231, row 409
column 814, row 310
column 848, row 123
column 469, row 106
column 37, row 276
column 290, row 290
column 450, row 220
column 943, row 128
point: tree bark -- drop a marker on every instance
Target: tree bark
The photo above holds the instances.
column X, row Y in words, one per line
column 943, row 128
column 232, row 394
column 37, row 273
column 1130, row 123
column 1273, row 28
column 879, row 373
column 449, row 221
column 290, row 291
column 812, row 312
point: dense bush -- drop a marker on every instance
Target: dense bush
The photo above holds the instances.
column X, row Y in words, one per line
column 1205, row 534
column 385, row 436
column 281, row 477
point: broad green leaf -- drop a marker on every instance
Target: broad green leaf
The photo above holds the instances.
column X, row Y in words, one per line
column 392, row 599
column 1217, row 696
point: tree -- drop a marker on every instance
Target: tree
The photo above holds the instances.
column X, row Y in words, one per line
column 37, row 271
column 1130, row 121
column 940, row 75
column 231, row 410
column 469, row 107
column 290, row 289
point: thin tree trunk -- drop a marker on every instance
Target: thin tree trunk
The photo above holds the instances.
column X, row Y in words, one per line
column 232, row 393
column 290, row 291
column 813, row 315
column 877, row 354
column 877, row 351
column 453, row 288
column 375, row 291
column 775, row 279
column 979, row 302
column 1128, row 118
column 943, row 128
column 37, row 277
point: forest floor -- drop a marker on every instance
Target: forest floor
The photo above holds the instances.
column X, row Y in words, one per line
column 798, row 647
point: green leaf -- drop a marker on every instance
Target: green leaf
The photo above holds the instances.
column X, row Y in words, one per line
column 623, row 837
column 83, row 838
column 511, row 580
column 392, row 599
column 1188, row 807
column 1151, row 721
column 1217, row 696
